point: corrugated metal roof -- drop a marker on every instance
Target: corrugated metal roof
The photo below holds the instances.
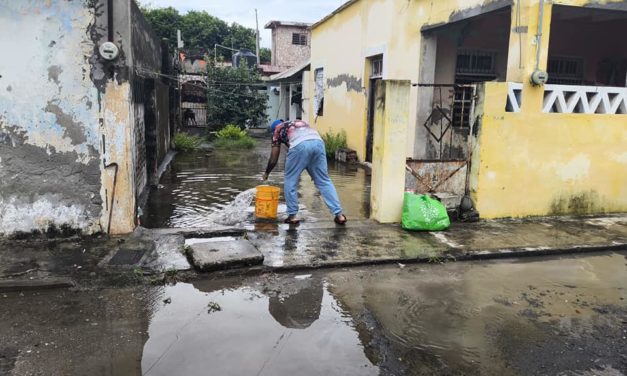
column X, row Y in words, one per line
column 290, row 72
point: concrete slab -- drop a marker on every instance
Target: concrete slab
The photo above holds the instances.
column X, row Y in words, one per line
column 216, row 255
column 35, row 284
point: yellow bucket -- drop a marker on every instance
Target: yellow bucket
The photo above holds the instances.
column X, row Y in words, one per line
column 267, row 201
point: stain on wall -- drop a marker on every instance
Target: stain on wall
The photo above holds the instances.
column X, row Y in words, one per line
column 50, row 154
column 352, row 83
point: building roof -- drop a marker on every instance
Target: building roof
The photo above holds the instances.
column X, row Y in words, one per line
column 338, row 10
column 274, row 24
column 290, row 72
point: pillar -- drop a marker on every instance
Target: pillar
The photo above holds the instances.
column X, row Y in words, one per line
column 523, row 44
column 390, row 134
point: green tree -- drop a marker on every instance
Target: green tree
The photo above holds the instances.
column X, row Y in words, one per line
column 199, row 30
column 233, row 96
column 265, row 55
column 165, row 22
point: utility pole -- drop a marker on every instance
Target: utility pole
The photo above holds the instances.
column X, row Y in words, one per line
column 257, row 34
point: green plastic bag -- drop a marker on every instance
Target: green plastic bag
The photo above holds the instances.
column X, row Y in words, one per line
column 423, row 213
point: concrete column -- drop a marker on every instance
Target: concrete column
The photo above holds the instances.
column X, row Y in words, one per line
column 390, row 134
column 425, row 94
column 523, row 44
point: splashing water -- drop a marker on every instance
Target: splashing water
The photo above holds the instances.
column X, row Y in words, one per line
column 236, row 211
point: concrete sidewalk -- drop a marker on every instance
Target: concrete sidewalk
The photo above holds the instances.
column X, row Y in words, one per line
column 64, row 262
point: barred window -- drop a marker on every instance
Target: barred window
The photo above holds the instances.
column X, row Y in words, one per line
column 377, row 67
column 299, row 39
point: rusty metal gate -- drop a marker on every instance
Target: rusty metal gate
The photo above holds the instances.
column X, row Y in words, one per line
column 449, row 125
column 452, row 111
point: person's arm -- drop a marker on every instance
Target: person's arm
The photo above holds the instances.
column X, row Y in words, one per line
column 274, row 158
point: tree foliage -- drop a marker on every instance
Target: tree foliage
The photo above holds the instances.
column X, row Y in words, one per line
column 233, row 96
column 199, row 30
column 265, row 55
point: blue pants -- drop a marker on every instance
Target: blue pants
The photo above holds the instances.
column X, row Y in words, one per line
column 309, row 155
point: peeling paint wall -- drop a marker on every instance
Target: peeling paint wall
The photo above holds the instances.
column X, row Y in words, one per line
column 69, row 148
column 49, row 105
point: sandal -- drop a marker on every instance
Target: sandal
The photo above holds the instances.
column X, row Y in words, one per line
column 340, row 221
column 291, row 220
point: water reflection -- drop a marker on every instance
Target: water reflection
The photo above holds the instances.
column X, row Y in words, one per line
column 289, row 328
column 199, row 184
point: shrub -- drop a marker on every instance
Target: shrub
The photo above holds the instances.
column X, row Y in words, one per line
column 187, row 142
column 334, row 141
column 233, row 137
column 232, row 132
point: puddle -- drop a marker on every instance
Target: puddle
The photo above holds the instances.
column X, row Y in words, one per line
column 198, row 187
column 306, row 333
column 545, row 316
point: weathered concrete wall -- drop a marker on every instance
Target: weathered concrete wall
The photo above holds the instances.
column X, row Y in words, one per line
column 284, row 53
column 388, row 163
column 69, row 149
column 50, row 157
column 535, row 163
column 150, row 93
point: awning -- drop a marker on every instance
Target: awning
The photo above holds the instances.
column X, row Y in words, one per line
column 293, row 71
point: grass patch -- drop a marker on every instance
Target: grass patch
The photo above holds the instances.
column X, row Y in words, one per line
column 187, row 142
column 233, row 137
column 334, row 141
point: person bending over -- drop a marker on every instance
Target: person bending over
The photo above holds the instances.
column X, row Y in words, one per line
column 305, row 152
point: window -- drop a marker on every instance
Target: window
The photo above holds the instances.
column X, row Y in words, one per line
column 476, row 63
column 299, row 39
column 565, row 70
column 377, row 67
column 319, row 92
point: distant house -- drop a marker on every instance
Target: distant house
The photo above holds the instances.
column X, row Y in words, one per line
column 448, row 85
column 291, row 45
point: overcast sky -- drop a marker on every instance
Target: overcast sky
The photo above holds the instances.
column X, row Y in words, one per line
column 243, row 11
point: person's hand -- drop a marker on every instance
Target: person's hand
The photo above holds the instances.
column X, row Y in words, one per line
column 264, row 177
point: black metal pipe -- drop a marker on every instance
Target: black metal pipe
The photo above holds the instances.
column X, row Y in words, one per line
column 115, row 180
column 110, row 20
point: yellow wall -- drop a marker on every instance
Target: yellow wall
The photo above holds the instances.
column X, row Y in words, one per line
column 533, row 163
column 388, row 166
column 526, row 163
column 342, row 44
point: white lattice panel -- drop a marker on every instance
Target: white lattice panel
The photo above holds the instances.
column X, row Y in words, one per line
column 514, row 97
column 569, row 99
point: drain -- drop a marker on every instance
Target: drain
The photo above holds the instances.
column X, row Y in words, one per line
column 127, row 257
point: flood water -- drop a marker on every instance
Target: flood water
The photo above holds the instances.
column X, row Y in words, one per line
column 548, row 316
column 199, row 184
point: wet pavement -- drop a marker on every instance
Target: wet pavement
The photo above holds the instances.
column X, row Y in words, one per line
column 202, row 183
column 548, row 316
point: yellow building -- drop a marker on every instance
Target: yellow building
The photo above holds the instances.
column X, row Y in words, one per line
column 444, row 89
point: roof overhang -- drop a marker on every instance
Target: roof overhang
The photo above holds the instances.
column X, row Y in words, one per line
column 290, row 73
column 338, row 10
column 274, row 24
